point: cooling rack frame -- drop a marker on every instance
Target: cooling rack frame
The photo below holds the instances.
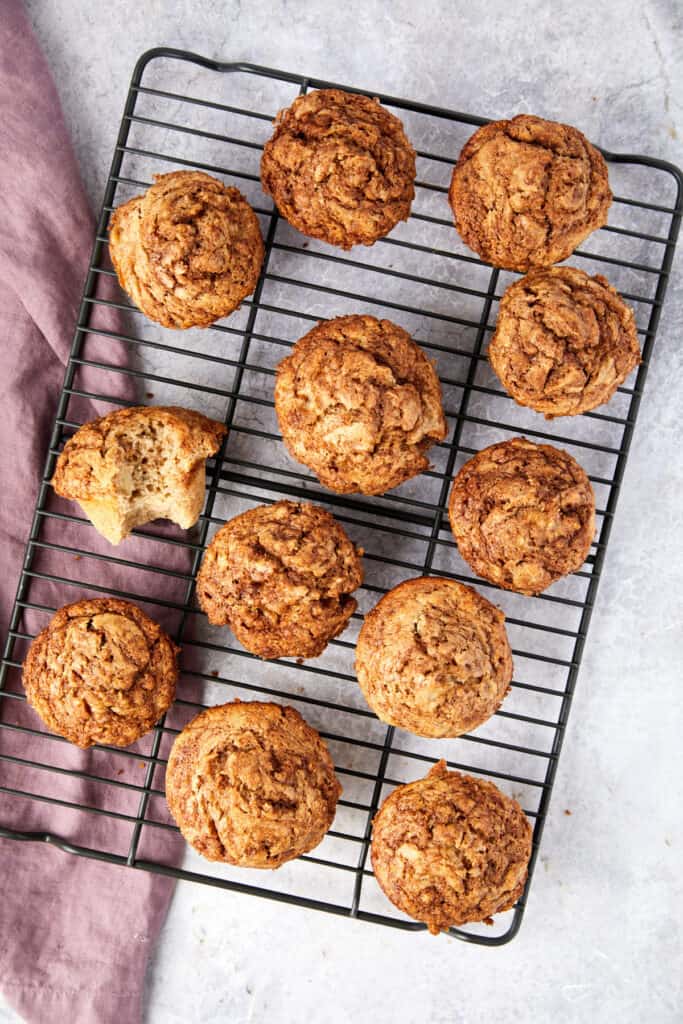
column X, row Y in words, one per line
column 243, row 474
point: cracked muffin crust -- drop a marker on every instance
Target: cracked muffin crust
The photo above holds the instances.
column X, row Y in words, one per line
column 523, row 514
column 451, row 849
column 433, row 658
column 339, row 167
column 138, row 464
column 281, row 576
column 251, row 784
column 359, row 402
column 564, row 341
column 526, row 192
column 188, row 250
column 102, row 671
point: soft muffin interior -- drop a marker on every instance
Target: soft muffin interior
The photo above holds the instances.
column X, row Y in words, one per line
column 153, row 482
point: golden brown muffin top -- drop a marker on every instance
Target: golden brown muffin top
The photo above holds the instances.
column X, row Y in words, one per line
column 188, row 250
column 339, row 167
column 564, row 341
column 281, row 576
column 359, row 403
column 451, row 849
column 102, row 671
column 523, row 514
column 526, row 192
column 147, row 446
column 251, row 784
column 433, row 657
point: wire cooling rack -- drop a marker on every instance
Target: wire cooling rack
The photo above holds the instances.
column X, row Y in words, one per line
column 186, row 111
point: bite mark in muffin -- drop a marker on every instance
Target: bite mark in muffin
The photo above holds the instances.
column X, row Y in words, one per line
column 138, row 464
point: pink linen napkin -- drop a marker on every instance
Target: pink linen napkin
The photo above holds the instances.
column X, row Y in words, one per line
column 75, row 934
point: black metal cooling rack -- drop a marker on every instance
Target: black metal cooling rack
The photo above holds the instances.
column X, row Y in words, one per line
column 184, row 110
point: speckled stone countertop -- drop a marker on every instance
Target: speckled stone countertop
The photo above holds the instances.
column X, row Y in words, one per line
column 601, row 940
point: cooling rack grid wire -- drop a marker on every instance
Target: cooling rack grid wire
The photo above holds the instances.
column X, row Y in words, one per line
column 187, row 111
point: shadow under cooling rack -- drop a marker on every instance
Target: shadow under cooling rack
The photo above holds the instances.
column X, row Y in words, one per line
column 185, row 111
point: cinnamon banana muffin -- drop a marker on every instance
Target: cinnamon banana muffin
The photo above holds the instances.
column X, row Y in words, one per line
column 433, row 657
column 564, row 341
column 526, row 192
column 451, row 849
column 339, row 167
column 251, row 784
column 360, row 404
column 188, row 250
column 523, row 514
column 138, row 464
column 281, row 576
column 102, row 671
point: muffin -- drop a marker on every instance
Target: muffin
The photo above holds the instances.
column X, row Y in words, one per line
column 433, row 658
column 138, row 464
column 564, row 341
column 526, row 192
column 450, row 849
column 339, row 167
column 101, row 672
column 188, row 250
column 523, row 514
column 281, row 576
column 360, row 404
column 251, row 784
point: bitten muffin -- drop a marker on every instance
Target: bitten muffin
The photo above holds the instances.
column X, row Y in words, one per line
column 188, row 250
column 281, row 576
column 433, row 658
column 526, row 192
column 251, row 784
column 450, row 849
column 101, row 672
column 339, row 167
column 564, row 341
column 138, row 464
column 360, row 404
column 523, row 514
